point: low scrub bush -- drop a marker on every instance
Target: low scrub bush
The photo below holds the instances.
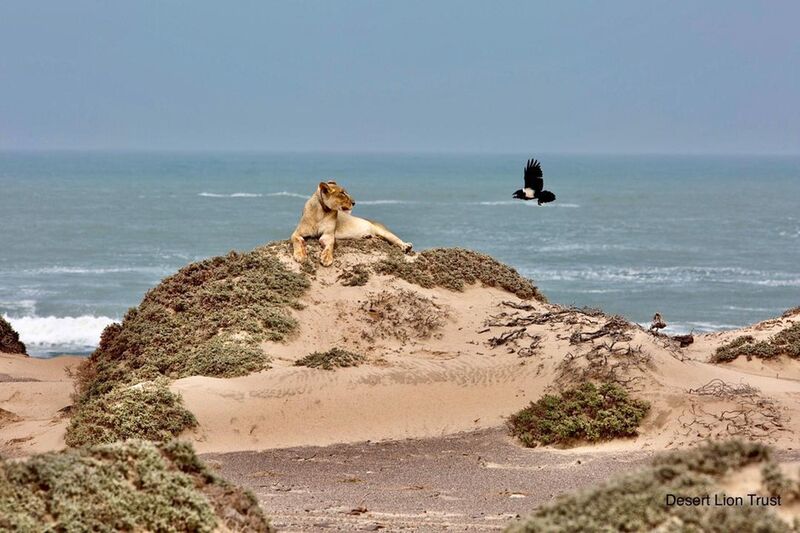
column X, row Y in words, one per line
column 638, row 501
column 784, row 343
column 147, row 410
column 130, row 486
column 585, row 413
column 208, row 319
column 356, row 276
column 455, row 268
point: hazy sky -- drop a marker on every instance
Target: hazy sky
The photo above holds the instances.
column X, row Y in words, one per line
column 616, row 76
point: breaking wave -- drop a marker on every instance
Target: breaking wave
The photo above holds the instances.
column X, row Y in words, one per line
column 290, row 194
column 669, row 275
column 51, row 334
column 233, row 195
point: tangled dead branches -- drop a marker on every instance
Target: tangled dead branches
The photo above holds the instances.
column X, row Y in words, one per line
column 565, row 315
column 731, row 411
column 522, row 306
column 511, row 337
column 615, row 327
column 527, row 351
column 506, row 337
column 720, row 389
column 622, row 364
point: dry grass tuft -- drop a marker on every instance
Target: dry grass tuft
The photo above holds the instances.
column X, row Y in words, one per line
column 330, row 360
column 356, row 276
column 791, row 312
column 403, row 315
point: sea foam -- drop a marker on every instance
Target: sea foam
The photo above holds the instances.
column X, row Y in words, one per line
column 58, row 269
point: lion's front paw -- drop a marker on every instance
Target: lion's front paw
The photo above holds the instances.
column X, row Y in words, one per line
column 407, row 246
column 326, row 258
column 300, row 255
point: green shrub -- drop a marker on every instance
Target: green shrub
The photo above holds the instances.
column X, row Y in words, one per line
column 148, row 410
column 712, row 458
column 774, row 482
column 333, row 358
column 208, row 319
column 637, row 501
column 791, row 312
column 787, row 342
column 202, row 308
column 454, row 268
column 586, row 413
column 356, row 276
column 9, row 339
column 228, row 356
column 130, row 486
column 784, row 343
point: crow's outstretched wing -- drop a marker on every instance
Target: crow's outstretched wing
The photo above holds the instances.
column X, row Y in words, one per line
column 533, row 176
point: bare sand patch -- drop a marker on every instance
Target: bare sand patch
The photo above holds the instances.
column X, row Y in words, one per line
column 34, row 399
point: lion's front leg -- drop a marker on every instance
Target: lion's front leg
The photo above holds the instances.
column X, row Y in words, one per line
column 326, row 256
column 300, row 253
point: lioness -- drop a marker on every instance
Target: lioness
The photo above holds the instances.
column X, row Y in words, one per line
column 327, row 215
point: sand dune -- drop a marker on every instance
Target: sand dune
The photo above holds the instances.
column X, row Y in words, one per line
column 440, row 362
column 424, row 411
column 455, row 381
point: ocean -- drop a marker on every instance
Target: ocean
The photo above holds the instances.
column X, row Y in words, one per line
column 710, row 242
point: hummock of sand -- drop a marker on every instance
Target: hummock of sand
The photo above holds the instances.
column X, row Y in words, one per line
column 437, row 364
column 456, row 381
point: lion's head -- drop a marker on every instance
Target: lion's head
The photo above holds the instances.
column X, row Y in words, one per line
column 334, row 197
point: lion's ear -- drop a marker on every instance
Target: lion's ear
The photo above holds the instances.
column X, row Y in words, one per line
column 324, row 188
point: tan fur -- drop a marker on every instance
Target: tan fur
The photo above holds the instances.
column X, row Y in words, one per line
column 327, row 215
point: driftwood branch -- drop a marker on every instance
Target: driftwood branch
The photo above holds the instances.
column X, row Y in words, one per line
column 506, row 337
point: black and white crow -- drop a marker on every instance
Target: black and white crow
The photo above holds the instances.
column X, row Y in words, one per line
column 534, row 184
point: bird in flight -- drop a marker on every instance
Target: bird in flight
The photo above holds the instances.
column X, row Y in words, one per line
column 534, row 184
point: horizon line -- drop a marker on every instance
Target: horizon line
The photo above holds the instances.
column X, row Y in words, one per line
column 310, row 151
